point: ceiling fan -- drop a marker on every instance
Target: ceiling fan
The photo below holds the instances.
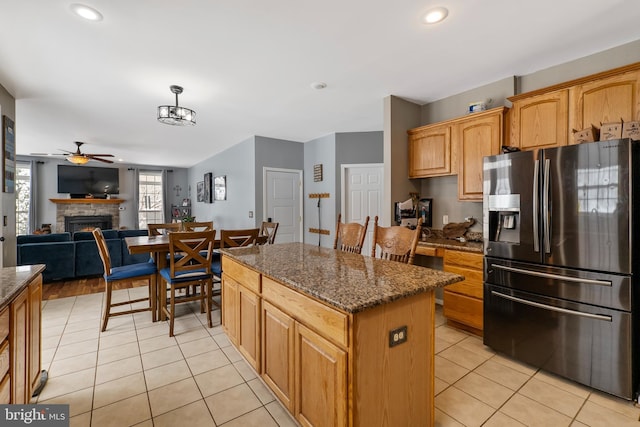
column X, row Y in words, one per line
column 79, row 158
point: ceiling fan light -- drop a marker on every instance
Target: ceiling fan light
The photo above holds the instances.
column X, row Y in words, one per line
column 78, row 159
column 176, row 115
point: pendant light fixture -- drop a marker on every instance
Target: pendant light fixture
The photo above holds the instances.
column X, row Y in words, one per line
column 174, row 114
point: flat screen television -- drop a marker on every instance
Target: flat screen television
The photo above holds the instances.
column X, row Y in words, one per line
column 80, row 181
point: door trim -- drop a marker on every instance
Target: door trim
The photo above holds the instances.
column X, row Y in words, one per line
column 300, row 173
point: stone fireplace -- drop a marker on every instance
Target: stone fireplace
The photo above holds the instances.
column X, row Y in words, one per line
column 84, row 213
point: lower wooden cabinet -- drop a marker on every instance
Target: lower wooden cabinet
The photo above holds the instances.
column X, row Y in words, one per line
column 320, row 380
column 19, row 343
column 20, row 348
column 249, row 326
column 278, row 340
column 463, row 300
column 230, row 308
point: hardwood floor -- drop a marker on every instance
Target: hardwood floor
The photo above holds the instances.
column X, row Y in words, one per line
column 92, row 285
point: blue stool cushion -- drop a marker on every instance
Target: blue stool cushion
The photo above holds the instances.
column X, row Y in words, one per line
column 186, row 276
column 216, row 267
column 131, row 271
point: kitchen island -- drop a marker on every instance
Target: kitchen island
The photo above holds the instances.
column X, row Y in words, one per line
column 341, row 339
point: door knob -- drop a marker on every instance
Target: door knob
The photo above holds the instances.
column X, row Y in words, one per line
column 2, row 239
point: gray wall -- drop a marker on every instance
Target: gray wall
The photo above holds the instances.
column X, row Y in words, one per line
column 8, row 200
column 320, row 151
column 399, row 116
column 47, row 188
column 274, row 153
column 238, row 164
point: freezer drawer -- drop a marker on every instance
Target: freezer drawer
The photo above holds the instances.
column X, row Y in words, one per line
column 599, row 289
column 587, row 344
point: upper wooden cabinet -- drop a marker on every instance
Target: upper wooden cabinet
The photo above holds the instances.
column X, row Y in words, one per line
column 457, row 146
column 546, row 117
column 477, row 136
column 605, row 100
column 430, row 151
column 540, row 121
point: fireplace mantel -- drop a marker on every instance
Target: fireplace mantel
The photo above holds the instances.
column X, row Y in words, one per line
column 89, row 200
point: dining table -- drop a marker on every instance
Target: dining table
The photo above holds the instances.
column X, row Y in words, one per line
column 158, row 247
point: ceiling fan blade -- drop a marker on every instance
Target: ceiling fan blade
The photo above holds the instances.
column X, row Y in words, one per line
column 47, row 154
column 101, row 155
column 98, row 158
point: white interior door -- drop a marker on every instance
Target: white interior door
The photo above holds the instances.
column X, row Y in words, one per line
column 283, row 202
column 362, row 188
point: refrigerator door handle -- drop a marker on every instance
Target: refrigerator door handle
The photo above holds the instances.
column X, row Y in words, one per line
column 552, row 308
column 536, row 208
column 545, row 208
column 552, row 276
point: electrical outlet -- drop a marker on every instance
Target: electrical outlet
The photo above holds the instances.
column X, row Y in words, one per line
column 397, row 336
column 445, row 219
column 250, row 214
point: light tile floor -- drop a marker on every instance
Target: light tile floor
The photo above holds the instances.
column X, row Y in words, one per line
column 135, row 374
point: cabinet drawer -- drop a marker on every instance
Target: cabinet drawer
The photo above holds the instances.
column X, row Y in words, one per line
column 244, row 275
column 4, row 324
column 471, row 286
column 463, row 309
column 4, row 358
column 428, row 251
column 5, row 390
column 326, row 321
column 463, row 259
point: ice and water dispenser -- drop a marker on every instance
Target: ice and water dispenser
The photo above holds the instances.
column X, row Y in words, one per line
column 504, row 218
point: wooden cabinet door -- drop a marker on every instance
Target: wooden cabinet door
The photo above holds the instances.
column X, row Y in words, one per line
column 320, row 380
column 35, row 301
column 278, row 338
column 19, row 326
column 476, row 138
column 462, row 301
column 540, row 121
column 230, row 308
column 249, row 326
column 605, row 100
column 430, row 152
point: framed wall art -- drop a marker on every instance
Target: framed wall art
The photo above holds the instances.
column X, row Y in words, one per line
column 220, row 187
column 200, row 191
column 208, row 177
column 9, row 156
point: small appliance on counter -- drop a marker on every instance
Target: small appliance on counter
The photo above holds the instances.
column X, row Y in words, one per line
column 425, row 211
column 405, row 214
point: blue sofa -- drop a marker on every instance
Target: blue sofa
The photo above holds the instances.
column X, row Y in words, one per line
column 70, row 257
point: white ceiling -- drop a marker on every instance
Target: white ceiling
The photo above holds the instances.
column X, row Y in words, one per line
column 246, row 65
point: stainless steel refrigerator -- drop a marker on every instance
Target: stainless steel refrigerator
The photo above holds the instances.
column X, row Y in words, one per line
column 560, row 272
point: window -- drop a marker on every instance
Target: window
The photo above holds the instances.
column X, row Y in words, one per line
column 151, row 205
column 23, row 197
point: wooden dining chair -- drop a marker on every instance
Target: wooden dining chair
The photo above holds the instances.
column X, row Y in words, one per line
column 396, row 243
column 126, row 273
column 237, row 238
column 269, row 229
column 163, row 228
column 197, row 226
column 193, row 268
column 350, row 235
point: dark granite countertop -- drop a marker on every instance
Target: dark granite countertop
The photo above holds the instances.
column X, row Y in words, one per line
column 435, row 242
column 14, row 279
column 349, row 282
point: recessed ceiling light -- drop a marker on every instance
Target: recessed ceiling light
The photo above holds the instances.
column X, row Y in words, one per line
column 318, row 85
column 86, row 12
column 435, row 15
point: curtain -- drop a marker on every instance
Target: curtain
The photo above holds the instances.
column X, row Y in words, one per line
column 166, row 206
column 136, row 196
column 33, row 197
